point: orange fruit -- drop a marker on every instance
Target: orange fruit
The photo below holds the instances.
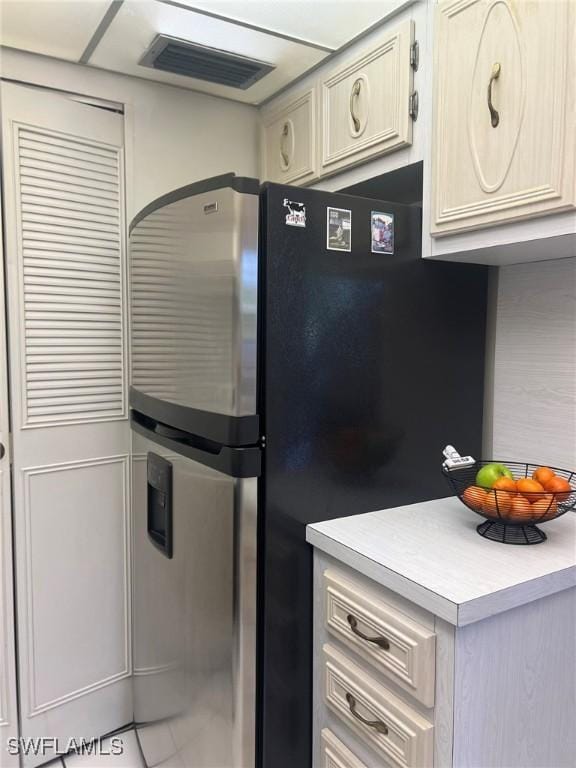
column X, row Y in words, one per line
column 560, row 487
column 505, row 484
column 521, row 509
column 542, row 475
column 497, row 504
column 531, row 489
column 474, row 496
column 545, row 508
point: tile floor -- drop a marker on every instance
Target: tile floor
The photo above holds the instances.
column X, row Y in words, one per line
column 167, row 744
column 131, row 756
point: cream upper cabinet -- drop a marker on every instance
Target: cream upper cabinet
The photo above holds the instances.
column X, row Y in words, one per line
column 504, row 94
column 365, row 102
column 288, row 143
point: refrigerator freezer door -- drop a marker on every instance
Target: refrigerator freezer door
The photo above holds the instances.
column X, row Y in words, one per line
column 194, row 614
column 193, row 276
column 373, row 362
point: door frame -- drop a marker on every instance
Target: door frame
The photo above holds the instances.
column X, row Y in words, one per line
column 9, row 715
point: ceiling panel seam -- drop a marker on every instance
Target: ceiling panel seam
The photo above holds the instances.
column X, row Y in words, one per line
column 100, row 31
column 247, row 25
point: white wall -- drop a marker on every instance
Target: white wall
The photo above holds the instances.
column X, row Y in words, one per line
column 534, row 405
column 173, row 136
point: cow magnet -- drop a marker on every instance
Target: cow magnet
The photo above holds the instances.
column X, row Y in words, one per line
column 296, row 216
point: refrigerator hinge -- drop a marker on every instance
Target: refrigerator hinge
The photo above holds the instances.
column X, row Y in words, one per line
column 413, row 105
column 415, row 55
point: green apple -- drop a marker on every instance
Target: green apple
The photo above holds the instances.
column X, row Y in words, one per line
column 487, row 476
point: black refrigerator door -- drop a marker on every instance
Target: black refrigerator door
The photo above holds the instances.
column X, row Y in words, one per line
column 372, row 361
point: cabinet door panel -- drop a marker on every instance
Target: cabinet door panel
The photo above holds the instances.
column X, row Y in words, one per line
column 502, row 146
column 354, row 614
column 365, row 103
column 288, row 141
column 398, row 733
column 335, row 754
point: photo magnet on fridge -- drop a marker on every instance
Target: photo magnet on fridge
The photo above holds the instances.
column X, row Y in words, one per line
column 382, row 232
column 338, row 229
column 296, row 216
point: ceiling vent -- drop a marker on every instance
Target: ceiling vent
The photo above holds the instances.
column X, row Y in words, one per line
column 169, row 54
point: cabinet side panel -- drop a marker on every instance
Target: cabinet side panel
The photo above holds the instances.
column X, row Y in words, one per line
column 534, row 363
column 444, row 696
column 515, row 687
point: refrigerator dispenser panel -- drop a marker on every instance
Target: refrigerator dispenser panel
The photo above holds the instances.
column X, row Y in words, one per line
column 160, row 503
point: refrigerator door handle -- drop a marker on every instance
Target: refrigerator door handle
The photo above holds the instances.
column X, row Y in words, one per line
column 230, row 460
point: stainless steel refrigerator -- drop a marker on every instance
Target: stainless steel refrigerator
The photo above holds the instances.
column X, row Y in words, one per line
column 293, row 359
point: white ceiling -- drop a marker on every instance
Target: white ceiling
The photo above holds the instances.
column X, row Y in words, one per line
column 325, row 22
column 292, row 35
column 59, row 28
column 138, row 23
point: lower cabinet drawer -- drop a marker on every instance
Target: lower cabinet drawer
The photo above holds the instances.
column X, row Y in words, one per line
column 335, row 754
column 399, row 647
column 396, row 731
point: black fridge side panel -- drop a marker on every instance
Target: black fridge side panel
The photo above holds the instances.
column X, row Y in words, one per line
column 371, row 363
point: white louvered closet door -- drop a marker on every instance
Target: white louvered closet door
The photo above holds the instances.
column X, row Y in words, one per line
column 65, row 251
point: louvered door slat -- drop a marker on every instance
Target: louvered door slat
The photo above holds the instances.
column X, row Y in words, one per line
column 72, row 278
column 38, row 302
column 68, row 180
column 35, row 246
column 80, row 315
column 78, row 223
column 38, row 181
column 31, row 191
column 76, row 261
column 35, row 266
column 72, row 209
column 73, row 412
column 69, row 236
column 68, row 143
column 55, row 357
column 79, row 384
column 66, row 161
column 63, row 154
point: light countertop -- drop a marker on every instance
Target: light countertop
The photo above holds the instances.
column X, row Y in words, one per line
column 430, row 554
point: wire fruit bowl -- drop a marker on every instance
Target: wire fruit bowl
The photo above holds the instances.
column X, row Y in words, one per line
column 511, row 516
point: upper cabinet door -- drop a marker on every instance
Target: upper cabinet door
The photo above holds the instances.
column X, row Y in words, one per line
column 288, row 140
column 503, row 146
column 366, row 102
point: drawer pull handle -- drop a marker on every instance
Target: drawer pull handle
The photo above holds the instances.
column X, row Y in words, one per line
column 378, row 725
column 495, row 74
column 381, row 641
column 354, row 94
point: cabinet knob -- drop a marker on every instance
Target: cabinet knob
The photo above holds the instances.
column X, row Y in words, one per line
column 2, row 451
column 495, row 74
